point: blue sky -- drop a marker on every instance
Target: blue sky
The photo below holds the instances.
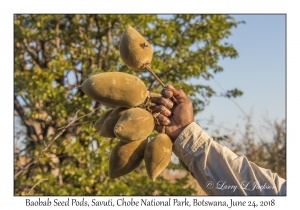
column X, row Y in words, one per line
column 259, row 71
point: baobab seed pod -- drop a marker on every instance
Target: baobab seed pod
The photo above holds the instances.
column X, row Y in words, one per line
column 135, row 50
column 125, row 157
column 134, row 124
column 107, row 129
column 115, row 89
column 98, row 124
column 157, row 155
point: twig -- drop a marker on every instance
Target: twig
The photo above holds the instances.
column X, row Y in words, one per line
column 156, row 77
column 146, row 67
column 52, row 141
column 77, row 124
column 36, row 185
column 70, row 124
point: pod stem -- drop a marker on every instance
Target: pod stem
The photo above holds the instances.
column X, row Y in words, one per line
column 156, row 77
column 147, row 67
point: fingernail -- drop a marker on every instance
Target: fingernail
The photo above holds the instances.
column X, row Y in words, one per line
column 168, row 122
column 167, row 92
column 170, row 104
column 169, row 86
column 168, row 112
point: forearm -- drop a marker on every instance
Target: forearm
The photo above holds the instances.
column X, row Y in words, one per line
column 219, row 171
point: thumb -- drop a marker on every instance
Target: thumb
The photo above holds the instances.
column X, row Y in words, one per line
column 178, row 94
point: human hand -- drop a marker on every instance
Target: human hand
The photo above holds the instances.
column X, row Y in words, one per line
column 174, row 116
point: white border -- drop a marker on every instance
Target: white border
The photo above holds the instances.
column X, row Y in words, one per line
column 8, row 201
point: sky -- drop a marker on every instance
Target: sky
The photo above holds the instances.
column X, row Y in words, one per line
column 259, row 72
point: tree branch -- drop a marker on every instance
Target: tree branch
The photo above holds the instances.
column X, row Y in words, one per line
column 51, row 142
column 36, row 185
column 57, row 39
column 19, row 109
column 109, row 40
column 99, row 37
column 31, row 52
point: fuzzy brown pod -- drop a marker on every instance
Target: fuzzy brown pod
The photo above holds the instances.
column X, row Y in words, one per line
column 134, row 124
column 98, row 124
column 125, row 157
column 135, row 50
column 157, row 155
column 107, row 129
column 115, row 89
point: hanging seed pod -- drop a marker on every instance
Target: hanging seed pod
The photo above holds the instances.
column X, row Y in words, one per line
column 115, row 89
column 134, row 124
column 107, row 129
column 157, row 155
column 135, row 50
column 126, row 157
column 98, row 124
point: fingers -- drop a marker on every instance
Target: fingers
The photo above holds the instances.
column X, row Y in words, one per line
column 161, row 109
column 163, row 120
column 178, row 94
column 159, row 128
column 163, row 101
column 154, row 95
column 167, row 93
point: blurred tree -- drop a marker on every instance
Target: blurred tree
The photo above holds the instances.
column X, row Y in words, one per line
column 266, row 153
column 265, row 146
column 53, row 54
column 276, row 150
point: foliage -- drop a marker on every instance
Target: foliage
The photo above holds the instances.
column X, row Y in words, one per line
column 53, row 54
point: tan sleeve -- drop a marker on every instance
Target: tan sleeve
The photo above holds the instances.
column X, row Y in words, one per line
column 219, row 171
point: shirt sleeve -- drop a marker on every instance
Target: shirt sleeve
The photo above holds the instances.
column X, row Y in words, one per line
column 219, row 171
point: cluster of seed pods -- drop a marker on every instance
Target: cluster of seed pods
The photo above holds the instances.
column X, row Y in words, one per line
column 130, row 120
